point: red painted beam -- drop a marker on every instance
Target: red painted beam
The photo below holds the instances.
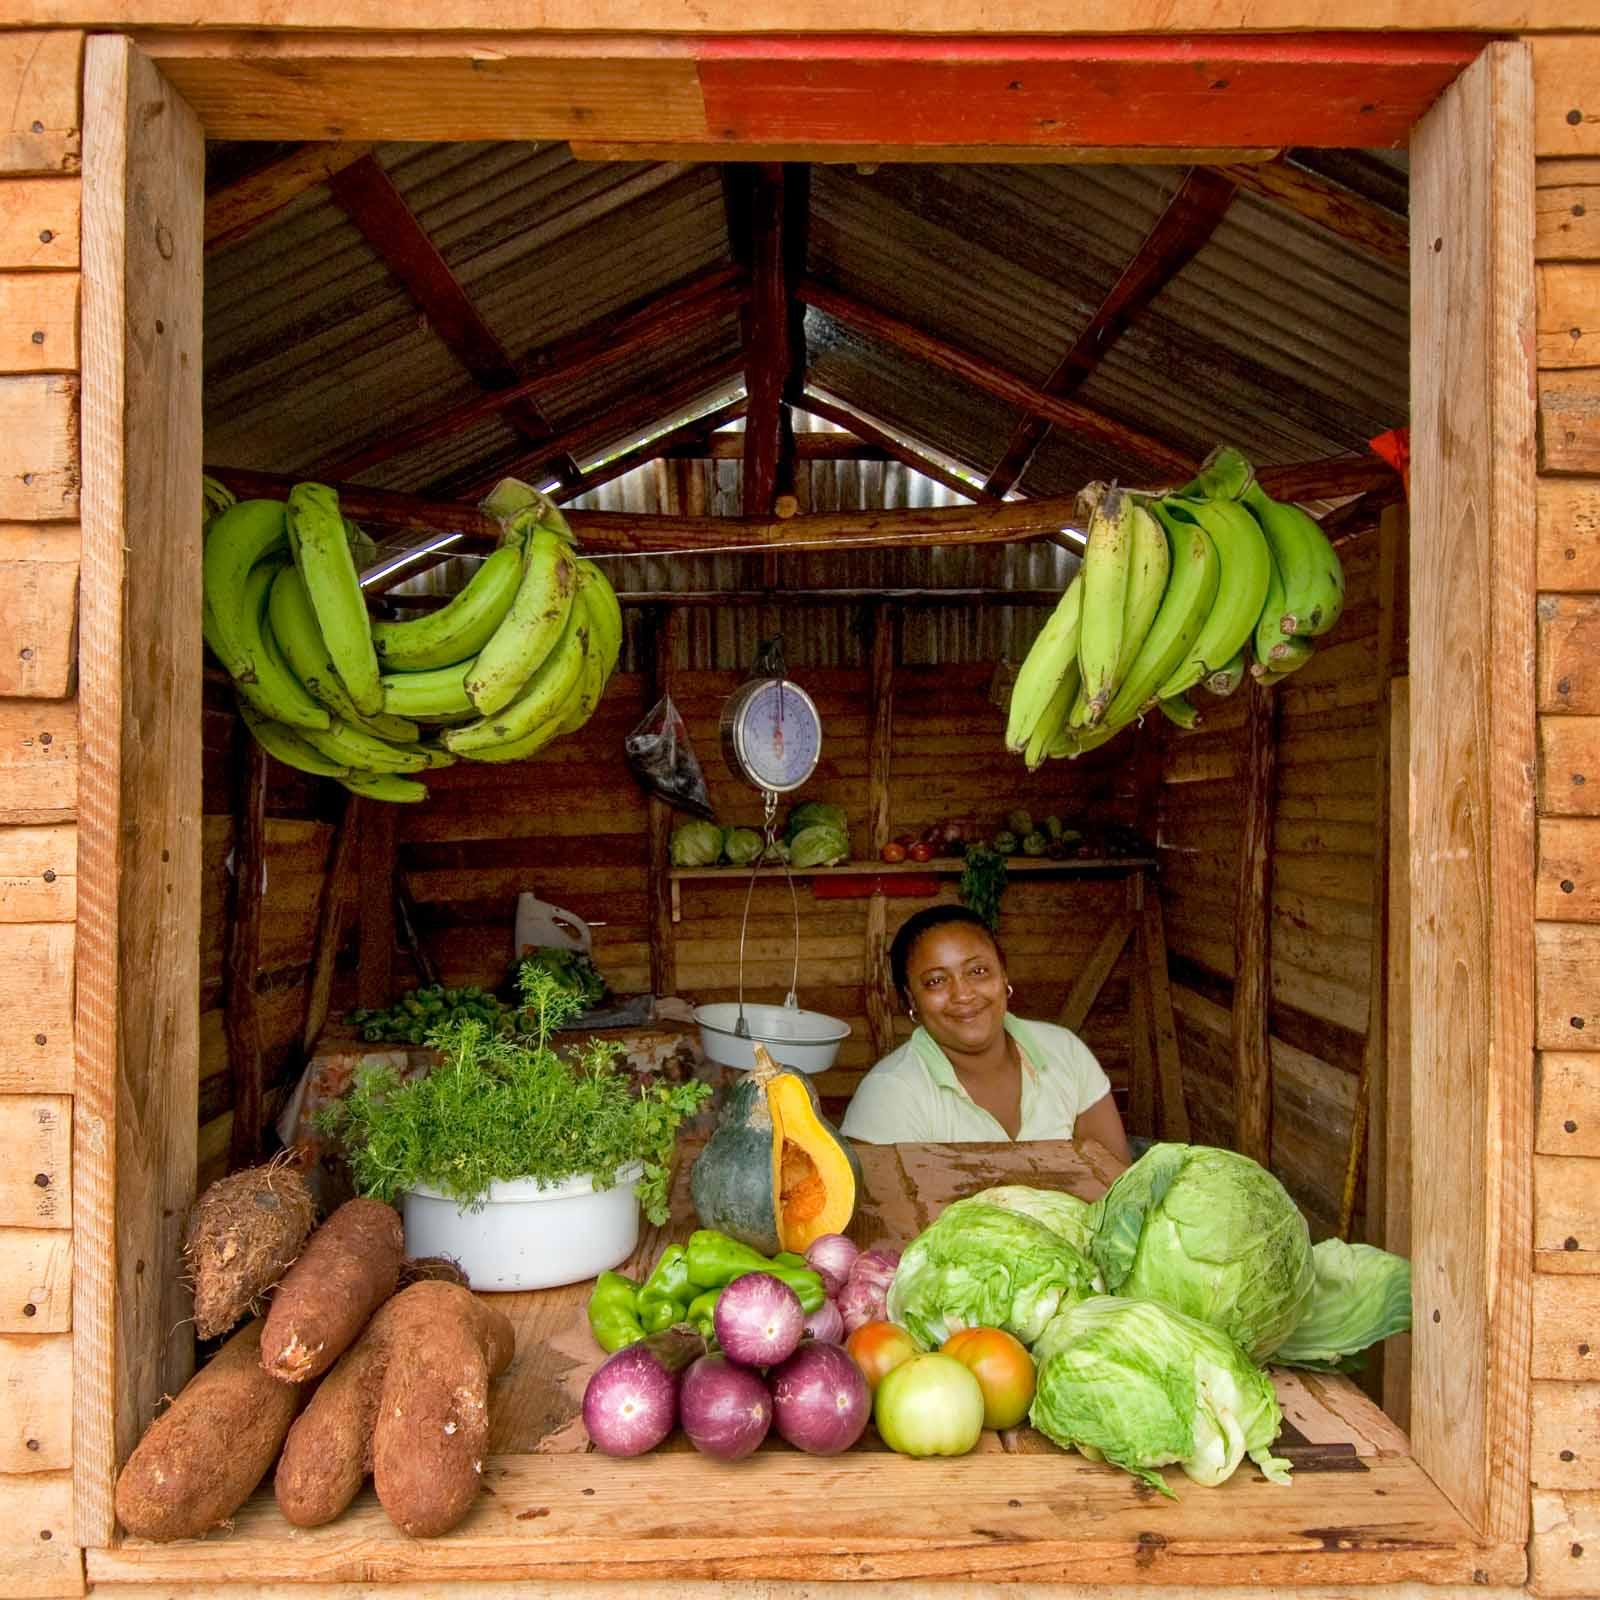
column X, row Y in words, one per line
column 1328, row 89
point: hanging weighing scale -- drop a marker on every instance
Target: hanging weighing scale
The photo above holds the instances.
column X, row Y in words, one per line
column 771, row 738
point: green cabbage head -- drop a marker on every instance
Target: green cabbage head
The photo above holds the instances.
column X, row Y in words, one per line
column 815, row 813
column 819, row 846
column 1064, row 1214
column 1212, row 1234
column 696, row 844
column 982, row 1266
column 1142, row 1386
column 741, row 845
column 1362, row 1295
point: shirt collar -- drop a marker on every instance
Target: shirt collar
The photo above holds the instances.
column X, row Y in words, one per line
column 937, row 1064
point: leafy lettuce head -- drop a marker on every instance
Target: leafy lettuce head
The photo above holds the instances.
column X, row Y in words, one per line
column 1212, row 1234
column 981, row 1266
column 1362, row 1294
column 696, row 844
column 1141, row 1386
column 1064, row 1214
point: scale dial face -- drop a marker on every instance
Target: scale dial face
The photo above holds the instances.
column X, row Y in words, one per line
column 775, row 735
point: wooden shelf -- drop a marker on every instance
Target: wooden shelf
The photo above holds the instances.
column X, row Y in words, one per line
column 1358, row 1511
column 940, row 866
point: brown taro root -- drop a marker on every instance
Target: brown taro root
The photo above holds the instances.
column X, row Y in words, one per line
column 200, row 1459
column 328, row 1454
column 242, row 1235
column 432, row 1432
column 345, row 1273
column 434, row 1269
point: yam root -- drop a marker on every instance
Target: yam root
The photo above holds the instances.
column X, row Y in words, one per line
column 199, row 1461
column 432, row 1432
column 328, row 1454
column 345, row 1273
column 242, row 1235
column 426, row 1269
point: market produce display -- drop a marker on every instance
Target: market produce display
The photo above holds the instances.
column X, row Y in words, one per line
column 776, row 1173
column 520, row 657
column 419, row 1011
column 815, row 834
column 1174, row 593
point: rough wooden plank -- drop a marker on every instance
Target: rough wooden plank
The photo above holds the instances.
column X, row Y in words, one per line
column 36, row 1179
column 38, row 447
column 36, row 1269
column 138, row 978
column 38, row 609
column 36, row 999
column 39, row 86
column 1174, row 1112
column 1569, row 1104
column 1564, row 1553
column 1566, row 1210
column 1371, row 228
column 1566, row 1328
column 242, row 949
column 1569, row 532
column 36, row 1418
column 1568, row 328
column 1569, row 766
column 39, row 873
column 1568, row 1004
column 38, row 322
column 1090, row 976
column 1567, row 220
column 1569, row 422
column 762, row 211
column 1566, row 1435
column 1566, row 69
column 1252, row 1063
column 881, row 1000
column 1472, row 989
column 38, row 1560
column 1568, row 871
column 1569, row 654
column 338, row 891
column 1399, row 1173
column 244, row 205
column 39, row 224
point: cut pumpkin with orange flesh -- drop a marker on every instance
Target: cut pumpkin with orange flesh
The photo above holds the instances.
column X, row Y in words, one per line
column 776, row 1174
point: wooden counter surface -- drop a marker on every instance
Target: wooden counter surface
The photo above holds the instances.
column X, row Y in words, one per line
column 1016, row 1508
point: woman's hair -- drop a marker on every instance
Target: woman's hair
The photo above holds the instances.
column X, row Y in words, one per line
column 925, row 921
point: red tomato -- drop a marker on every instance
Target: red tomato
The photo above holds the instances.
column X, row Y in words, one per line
column 878, row 1348
column 893, row 851
column 1003, row 1368
column 921, row 851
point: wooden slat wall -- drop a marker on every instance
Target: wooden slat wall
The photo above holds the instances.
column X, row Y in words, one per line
column 1565, row 1557
column 1321, row 897
column 39, row 544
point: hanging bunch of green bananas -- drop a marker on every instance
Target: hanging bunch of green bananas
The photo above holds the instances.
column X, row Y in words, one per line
column 1176, row 592
column 520, row 657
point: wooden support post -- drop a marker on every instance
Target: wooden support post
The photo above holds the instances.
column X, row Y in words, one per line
column 663, row 936
column 1174, row 1118
column 767, row 348
column 1092, row 975
column 375, row 968
column 338, row 889
column 1396, row 1104
column 881, row 999
column 1252, row 921
column 242, row 965
column 1393, row 536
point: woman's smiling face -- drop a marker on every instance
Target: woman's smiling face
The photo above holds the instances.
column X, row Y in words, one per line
column 958, row 987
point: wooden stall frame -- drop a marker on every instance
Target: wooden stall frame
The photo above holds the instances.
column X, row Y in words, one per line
column 1471, row 902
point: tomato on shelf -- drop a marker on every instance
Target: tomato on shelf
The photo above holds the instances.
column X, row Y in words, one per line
column 1003, row 1368
column 892, row 852
column 920, row 851
column 878, row 1348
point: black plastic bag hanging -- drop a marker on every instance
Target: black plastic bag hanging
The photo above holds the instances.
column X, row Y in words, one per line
column 661, row 757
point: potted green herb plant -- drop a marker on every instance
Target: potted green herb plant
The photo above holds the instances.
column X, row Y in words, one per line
column 527, row 1168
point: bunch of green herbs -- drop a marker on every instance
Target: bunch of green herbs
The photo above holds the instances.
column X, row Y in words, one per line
column 501, row 1107
column 983, row 883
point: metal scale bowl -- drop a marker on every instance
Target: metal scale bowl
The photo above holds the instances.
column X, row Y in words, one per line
column 772, row 738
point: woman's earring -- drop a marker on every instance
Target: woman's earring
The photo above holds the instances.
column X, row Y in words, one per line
column 911, row 1011
column 1009, row 991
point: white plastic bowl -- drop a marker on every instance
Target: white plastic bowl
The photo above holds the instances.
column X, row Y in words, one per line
column 808, row 1041
column 525, row 1236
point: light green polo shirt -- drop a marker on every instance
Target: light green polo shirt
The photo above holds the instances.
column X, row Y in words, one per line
column 913, row 1095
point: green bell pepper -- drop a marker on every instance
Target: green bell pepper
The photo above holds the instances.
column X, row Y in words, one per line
column 715, row 1260
column 614, row 1312
column 660, row 1315
column 702, row 1313
column 664, row 1296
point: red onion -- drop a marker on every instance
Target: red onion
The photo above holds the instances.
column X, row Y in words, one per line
column 866, row 1294
column 631, row 1402
column 826, row 1324
column 758, row 1320
column 820, row 1400
column 726, row 1410
column 832, row 1255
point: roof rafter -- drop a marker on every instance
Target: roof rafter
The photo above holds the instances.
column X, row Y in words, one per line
column 240, row 207
column 692, row 440
column 767, row 341
column 863, row 428
column 1354, row 218
column 1179, row 233
column 981, row 373
column 368, row 196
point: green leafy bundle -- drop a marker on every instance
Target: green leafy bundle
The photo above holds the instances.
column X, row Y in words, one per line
column 572, row 969
column 503, row 1107
column 983, row 883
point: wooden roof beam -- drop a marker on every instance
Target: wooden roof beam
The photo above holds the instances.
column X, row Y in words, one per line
column 1357, row 220
column 1094, row 427
column 688, row 304
column 767, row 340
column 368, row 196
column 238, row 208
column 692, row 441
column 862, row 428
column 808, row 446
column 1180, row 232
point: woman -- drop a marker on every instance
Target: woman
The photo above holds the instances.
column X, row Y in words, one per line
column 971, row 1071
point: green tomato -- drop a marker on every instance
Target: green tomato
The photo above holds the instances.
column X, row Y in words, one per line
column 931, row 1405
